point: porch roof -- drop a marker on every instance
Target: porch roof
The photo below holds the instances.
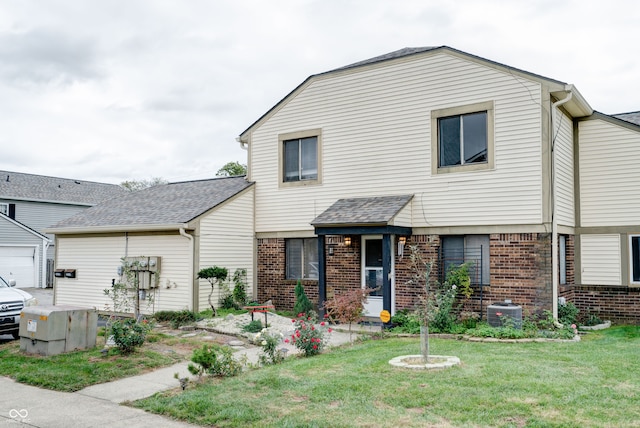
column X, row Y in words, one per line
column 351, row 213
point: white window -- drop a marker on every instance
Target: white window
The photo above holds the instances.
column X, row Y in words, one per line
column 301, row 258
column 462, row 138
column 471, row 249
column 562, row 250
column 634, row 253
column 4, row 208
column 301, row 159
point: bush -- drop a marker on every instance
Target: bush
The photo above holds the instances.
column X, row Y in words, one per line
column 240, row 287
column 568, row 313
column 303, row 305
column 269, row 343
column 129, row 334
column 253, row 327
column 307, row 337
column 214, row 360
column 177, row 318
column 405, row 321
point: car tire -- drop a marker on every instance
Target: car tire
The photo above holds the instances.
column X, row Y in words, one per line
column 15, row 334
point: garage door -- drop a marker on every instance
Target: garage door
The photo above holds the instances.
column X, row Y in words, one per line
column 19, row 263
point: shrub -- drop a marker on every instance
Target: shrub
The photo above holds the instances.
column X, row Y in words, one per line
column 405, row 321
column 269, row 343
column 568, row 313
column 240, row 287
column 307, row 337
column 214, row 360
column 253, row 327
column 129, row 334
column 440, row 308
column 177, row 318
column 303, row 305
column 347, row 307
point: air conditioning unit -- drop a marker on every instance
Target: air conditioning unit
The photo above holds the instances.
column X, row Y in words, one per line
column 497, row 313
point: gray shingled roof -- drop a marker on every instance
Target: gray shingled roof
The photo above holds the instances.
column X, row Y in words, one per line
column 362, row 211
column 165, row 204
column 633, row 117
column 20, row 186
column 391, row 55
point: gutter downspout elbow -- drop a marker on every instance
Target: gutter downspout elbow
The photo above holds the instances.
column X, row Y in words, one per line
column 191, row 269
column 244, row 145
column 554, row 217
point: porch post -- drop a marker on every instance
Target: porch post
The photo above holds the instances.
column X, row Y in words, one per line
column 322, row 285
column 387, row 253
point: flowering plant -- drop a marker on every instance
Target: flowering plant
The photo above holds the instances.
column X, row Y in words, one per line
column 308, row 337
column 269, row 342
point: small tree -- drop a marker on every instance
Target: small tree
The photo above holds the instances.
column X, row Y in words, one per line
column 303, row 305
column 348, row 307
column 214, row 275
column 420, row 276
column 231, row 169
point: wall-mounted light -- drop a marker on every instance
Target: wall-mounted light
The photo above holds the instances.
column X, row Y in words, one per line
column 331, row 249
column 69, row 273
column 402, row 240
column 347, row 241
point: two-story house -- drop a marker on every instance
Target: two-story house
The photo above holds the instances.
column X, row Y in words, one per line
column 30, row 203
column 459, row 157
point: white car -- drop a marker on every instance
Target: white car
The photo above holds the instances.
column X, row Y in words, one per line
column 12, row 301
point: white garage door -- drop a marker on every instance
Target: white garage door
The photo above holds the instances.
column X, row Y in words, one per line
column 19, row 263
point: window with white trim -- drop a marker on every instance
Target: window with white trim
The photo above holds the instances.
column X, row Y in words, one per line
column 4, row 208
column 634, row 253
column 301, row 258
column 462, row 138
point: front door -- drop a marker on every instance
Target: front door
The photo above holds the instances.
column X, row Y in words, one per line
column 372, row 274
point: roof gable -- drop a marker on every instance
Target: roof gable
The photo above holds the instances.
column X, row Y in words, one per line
column 22, row 226
column 31, row 187
column 166, row 204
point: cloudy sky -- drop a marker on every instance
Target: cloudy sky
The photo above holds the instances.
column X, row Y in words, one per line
column 133, row 89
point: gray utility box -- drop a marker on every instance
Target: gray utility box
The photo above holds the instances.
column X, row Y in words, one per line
column 499, row 311
column 52, row 330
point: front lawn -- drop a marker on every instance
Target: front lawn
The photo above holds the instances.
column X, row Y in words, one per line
column 591, row 383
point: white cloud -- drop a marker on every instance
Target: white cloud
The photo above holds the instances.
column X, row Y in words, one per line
column 119, row 90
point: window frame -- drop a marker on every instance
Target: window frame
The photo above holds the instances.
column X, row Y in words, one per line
column 303, row 258
column 631, row 259
column 438, row 114
column 466, row 239
column 6, row 205
column 299, row 135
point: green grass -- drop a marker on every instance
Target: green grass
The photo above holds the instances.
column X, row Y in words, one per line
column 591, row 383
column 76, row 370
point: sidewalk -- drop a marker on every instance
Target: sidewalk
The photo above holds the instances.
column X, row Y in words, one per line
column 99, row 405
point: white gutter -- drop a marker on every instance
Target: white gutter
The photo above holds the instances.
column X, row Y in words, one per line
column 115, row 228
column 45, row 247
column 192, row 273
column 554, row 217
column 244, row 145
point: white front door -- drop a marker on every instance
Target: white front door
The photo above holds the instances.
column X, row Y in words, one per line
column 372, row 274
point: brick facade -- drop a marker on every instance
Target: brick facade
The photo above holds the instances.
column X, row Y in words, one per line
column 520, row 270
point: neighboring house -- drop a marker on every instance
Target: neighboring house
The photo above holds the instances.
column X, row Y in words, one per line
column 183, row 226
column 464, row 158
column 28, row 204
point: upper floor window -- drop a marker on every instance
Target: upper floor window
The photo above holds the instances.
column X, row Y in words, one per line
column 4, row 209
column 462, row 138
column 300, row 157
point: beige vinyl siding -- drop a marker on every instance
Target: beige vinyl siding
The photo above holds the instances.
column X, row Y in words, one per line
column 227, row 240
column 600, row 258
column 563, row 149
column 174, row 287
column 609, row 158
column 376, row 141
column 403, row 218
column 96, row 259
column 40, row 215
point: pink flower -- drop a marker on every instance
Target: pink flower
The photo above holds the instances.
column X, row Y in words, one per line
column 573, row 326
column 315, row 346
column 308, row 318
column 326, row 315
column 300, row 315
column 293, row 320
column 322, row 323
column 329, row 330
column 286, row 341
column 298, row 333
column 499, row 314
column 313, row 328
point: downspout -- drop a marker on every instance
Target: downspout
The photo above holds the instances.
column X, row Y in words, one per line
column 244, row 145
column 45, row 247
column 554, row 217
column 192, row 273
